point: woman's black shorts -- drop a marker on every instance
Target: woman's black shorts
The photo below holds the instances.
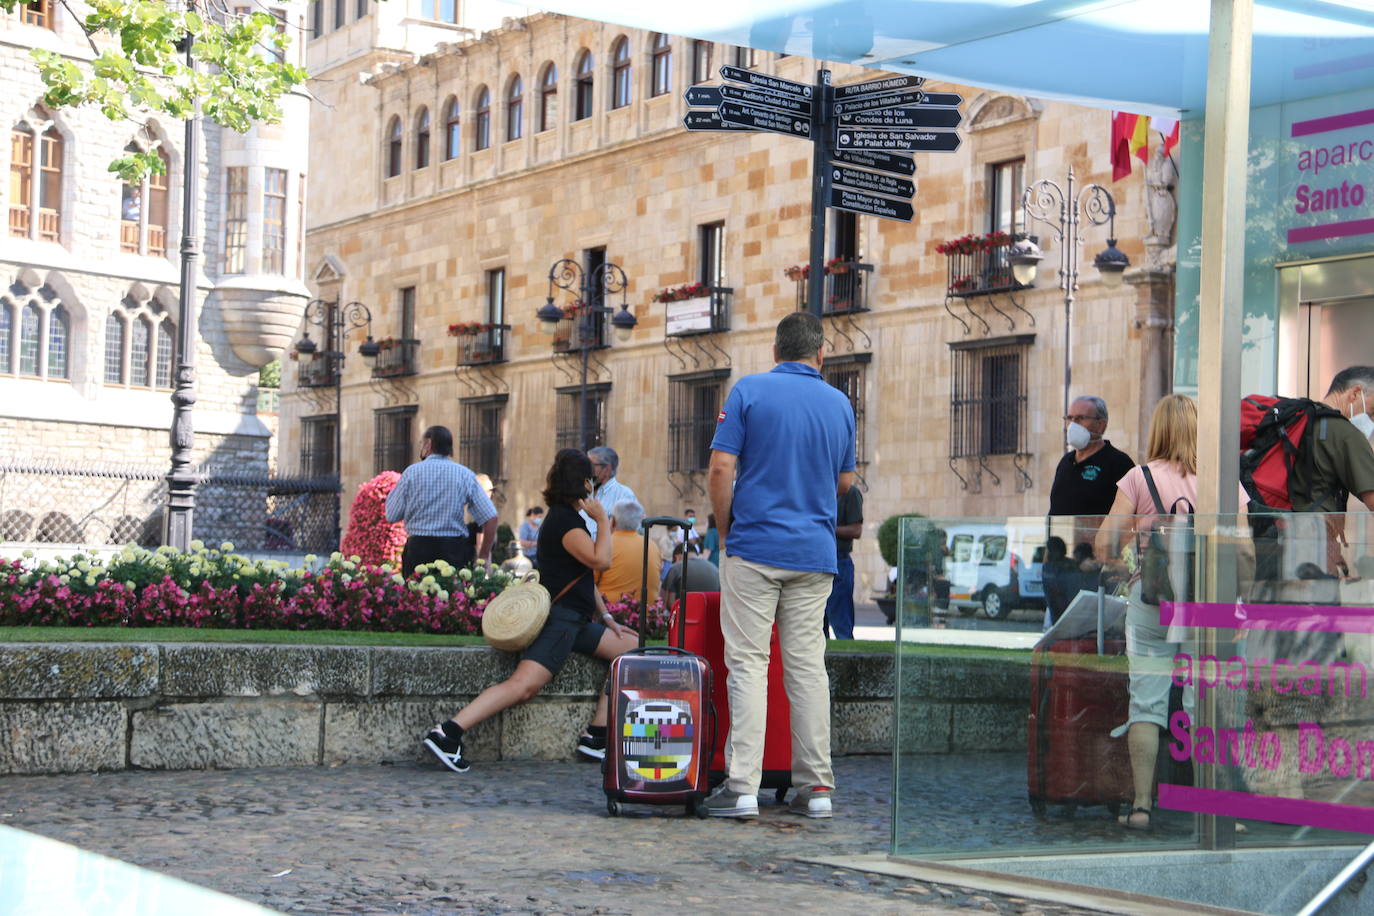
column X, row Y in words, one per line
column 567, row 631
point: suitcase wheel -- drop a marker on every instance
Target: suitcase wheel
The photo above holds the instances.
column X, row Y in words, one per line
column 613, row 807
column 697, row 806
column 1038, row 808
column 780, row 794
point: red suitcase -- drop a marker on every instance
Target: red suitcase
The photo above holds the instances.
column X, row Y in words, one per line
column 703, row 636
column 1077, row 697
column 661, row 727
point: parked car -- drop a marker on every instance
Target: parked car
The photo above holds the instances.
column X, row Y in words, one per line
column 986, row 571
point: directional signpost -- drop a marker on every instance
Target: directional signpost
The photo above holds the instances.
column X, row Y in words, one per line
column 862, row 135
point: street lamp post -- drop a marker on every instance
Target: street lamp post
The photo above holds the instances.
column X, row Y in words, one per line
column 1093, row 203
column 590, row 288
column 181, row 480
column 334, row 324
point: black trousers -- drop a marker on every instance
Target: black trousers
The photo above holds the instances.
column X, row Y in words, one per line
column 424, row 548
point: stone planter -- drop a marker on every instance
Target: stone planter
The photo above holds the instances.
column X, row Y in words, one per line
column 262, row 315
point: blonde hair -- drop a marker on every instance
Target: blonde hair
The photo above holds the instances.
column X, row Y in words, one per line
column 1173, row 432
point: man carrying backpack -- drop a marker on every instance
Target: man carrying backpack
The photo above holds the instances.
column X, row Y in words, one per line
column 1342, row 460
column 1299, row 455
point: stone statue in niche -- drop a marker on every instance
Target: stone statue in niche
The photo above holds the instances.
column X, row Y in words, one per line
column 1161, row 178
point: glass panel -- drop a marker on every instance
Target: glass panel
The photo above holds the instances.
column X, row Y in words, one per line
column 274, row 221
column 114, row 350
column 58, row 331
column 235, row 220
column 515, row 110
column 28, row 341
column 6, row 335
column 139, row 366
column 422, row 139
column 21, row 180
column 1065, row 670
column 166, row 333
column 452, row 132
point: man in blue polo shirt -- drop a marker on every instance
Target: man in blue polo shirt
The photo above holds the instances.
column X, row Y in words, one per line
column 783, row 451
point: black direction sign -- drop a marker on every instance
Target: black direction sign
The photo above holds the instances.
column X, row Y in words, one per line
column 870, row 103
column 899, row 140
column 874, row 87
column 708, row 120
column 872, row 181
column 888, row 162
column 943, row 99
column 705, row 96
column 779, row 122
column 859, row 202
column 904, row 118
column 770, row 99
column 764, row 81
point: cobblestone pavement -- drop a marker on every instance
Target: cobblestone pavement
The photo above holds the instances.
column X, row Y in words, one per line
column 511, row 837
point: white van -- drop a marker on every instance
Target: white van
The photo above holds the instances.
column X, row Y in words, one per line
column 994, row 567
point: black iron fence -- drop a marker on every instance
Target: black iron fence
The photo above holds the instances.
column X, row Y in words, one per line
column 846, row 287
column 100, row 504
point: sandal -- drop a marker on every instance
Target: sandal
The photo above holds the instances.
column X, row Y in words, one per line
column 1130, row 822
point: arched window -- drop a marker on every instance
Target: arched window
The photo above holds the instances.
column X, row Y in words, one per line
column 422, row 139
column 548, row 97
column 166, row 346
column 6, row 336
column 21, row 180
column 515, row 108
column 28, row 340
column 139, row 348
column 584, row 97
column 620, row 72
column 36, row 200
column 50, row 186
column 481, row 135
column 114, row 349
column 662, row 79
column 452, row 134
column 393, row 148
column 143, row 207
column 59, row 331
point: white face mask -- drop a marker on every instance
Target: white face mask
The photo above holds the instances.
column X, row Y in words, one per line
column 1362, row 419
column 1078, row 436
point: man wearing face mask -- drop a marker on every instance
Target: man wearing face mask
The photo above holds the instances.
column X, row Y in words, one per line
column 1085, row 480
column 1342, row 459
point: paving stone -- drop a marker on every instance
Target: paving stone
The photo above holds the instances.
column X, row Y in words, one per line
column 230, row 733
column 62, row 737
column 251, row 671
column 77, row 671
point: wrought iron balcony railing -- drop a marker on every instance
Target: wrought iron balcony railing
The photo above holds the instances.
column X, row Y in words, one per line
column 316, row 370
column 397, row 358
column 980, row 272
column 846, row 288
column 569, row 334
column 708, row 313
column 484, row 347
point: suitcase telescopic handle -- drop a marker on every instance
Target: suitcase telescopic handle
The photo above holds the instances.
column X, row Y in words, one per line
column 670, row 521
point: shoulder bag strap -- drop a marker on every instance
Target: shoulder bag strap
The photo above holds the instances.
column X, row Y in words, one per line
column 565, row 588
column 1154, row 491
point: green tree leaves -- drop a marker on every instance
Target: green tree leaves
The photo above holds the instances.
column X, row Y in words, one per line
column 140, row 67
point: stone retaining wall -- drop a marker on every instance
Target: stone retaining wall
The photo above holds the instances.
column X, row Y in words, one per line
column 73, row 708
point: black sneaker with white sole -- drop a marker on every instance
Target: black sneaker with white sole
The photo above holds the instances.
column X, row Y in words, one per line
column 448, row 750
column 593, row 747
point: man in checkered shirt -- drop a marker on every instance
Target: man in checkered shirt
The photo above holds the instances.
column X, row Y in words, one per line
column 431, row 497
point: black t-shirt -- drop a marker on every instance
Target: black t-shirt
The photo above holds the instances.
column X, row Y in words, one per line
column 557, row 567
column 1088, row 487
column 850, row 510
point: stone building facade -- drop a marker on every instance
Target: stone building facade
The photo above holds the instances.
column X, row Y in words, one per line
column 469, row 169
column 89, row 312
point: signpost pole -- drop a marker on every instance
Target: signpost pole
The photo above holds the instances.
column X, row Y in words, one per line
column 822, row 136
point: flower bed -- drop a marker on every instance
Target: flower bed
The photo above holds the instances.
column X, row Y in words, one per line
column 222, row 589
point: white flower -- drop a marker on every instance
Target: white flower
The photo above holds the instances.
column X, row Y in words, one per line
column 470, row 592
column 197, row 545
column 90, row 580
column 64, row 578
column 345, row 578
column 226, row 546
column 441, row 595
column 427, row 581
column 465, row 574
column 28, row 554
column 309, row 558
column 129, row 584
column 398, row 578
column 354, row 558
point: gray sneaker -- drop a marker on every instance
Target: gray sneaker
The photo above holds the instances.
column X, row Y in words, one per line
column 811, row 803
column 724, row 803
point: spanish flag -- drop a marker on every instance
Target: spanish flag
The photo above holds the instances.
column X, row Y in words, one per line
column 1130, row 133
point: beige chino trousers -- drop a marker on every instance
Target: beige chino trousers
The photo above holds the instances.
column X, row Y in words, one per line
column 752, row 597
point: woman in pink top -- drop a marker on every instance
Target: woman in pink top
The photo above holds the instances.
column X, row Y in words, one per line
column 1172, row 450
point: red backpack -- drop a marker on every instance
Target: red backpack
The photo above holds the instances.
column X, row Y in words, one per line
column 1274, row 433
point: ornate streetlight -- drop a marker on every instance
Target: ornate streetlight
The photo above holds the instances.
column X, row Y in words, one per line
column 1093, row 203
column 590, row 288
column 334, row 324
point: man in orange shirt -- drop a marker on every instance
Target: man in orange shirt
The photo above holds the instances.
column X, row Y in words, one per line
column 625, row 573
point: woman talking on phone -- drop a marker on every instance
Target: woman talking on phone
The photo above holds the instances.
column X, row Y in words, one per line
column 578, row 621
